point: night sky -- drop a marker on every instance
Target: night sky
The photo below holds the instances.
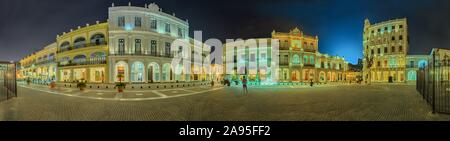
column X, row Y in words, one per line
column 28, row 25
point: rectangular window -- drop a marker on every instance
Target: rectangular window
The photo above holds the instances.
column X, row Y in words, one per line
column 137, row 22
column 180, row 32
column 400, row 48
column 372, row 52
column 252, row 58
column 385, row 50
column 400, row 37
column 393, row 49
column 393, row 38
column 167, row 28
column 167, row 50
column 137, row 46
column 153, row 47
column 393, row 27
column 153, row 23
column 379, row 51
column 411, row 63
column 121, row 47
column 121, row 21
column 400, row 26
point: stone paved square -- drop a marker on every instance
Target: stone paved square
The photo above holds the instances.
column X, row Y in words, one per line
column 325, row 103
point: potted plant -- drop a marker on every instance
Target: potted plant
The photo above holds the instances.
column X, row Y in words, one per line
column 81, row 84
column 120, row 86
column 52, row 84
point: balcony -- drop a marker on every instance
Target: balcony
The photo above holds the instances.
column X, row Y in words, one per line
column 142, row 54
column 309, row 50
column 82, row 46
column 46, row 62
column 308, row 65
column 81, row 63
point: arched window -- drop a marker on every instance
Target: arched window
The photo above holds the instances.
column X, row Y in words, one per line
column 98, row 56
column 64, row 46
column 79, row 59
column 121, row 70
column 412, row 75
column 98, row 39
column 305, row 59
column 51, row 56
column 296, row 59
column 79, row 42
column 137, row 72
column 153, row 72
column 312, row 60
column 166, row 72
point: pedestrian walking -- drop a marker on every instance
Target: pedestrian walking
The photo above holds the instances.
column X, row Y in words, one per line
column 244, row 85
column 311, row 83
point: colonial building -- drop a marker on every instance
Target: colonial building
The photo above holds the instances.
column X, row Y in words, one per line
column 39, row 67
column 135, row 42
column 385, row 47
column 298, row 60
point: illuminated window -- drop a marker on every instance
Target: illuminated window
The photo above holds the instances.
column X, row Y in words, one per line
column 296, row 59
column 305, row 59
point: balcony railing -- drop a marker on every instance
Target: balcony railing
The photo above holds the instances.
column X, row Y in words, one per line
column 80, row 63
column 308, row 65
column 82, row 46
column 46, row 62
column 142, row 54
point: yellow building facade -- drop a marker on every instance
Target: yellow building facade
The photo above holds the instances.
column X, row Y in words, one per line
column 82, row 54
column 385, row 49
column 39, row 67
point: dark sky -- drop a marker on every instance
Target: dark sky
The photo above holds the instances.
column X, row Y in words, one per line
column 28, row 25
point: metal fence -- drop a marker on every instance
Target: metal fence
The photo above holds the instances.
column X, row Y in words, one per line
column 434, row 85
column 8, row 85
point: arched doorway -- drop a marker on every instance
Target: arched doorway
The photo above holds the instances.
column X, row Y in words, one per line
column 153, row 72
column 121, row 68
column 137, row 72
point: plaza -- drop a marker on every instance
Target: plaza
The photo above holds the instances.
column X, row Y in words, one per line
column 335, row 102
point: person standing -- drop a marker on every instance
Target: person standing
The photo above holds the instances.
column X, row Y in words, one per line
column 311, row 83
column 244, row 85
